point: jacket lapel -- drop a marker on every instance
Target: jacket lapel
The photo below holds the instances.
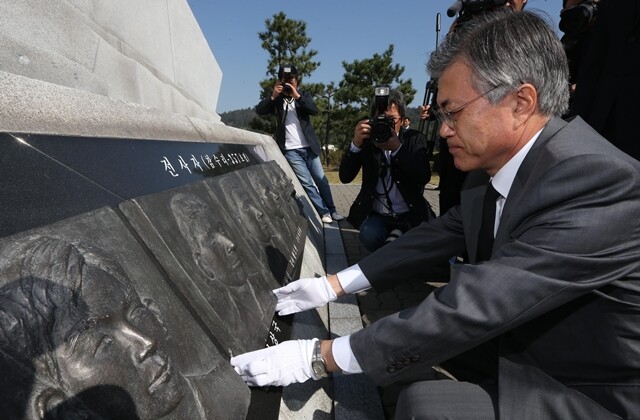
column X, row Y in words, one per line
column 471, row 207
column 522, row 177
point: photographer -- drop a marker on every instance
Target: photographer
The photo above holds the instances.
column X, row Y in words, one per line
column 297, row 140
column 394, row 172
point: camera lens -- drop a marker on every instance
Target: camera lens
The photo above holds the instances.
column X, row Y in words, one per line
column 381, row 129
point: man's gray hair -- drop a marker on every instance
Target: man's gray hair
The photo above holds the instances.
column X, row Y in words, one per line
column 506, row 48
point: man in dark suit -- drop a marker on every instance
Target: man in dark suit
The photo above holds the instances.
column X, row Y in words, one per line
column 394, row 173
column 297, row 140
column 604, row 59
column 543, row 321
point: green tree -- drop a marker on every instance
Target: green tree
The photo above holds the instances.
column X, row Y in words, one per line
column 286, row 42
column 356, row 89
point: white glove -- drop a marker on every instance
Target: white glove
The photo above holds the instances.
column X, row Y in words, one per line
column 304, row 294
column 288, row 362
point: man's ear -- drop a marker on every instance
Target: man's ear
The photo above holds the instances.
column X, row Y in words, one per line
column 44, row 400
column 526, row 103
column 526, row 100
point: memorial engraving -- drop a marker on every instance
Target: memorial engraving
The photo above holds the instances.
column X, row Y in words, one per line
column 274, row 229
column 209, row 263
column 131, row 270
column 90, row 328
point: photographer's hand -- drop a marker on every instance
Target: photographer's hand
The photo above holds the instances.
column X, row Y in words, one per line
column 425, row 112
column 294, row 91
column 361, row 133
column 277, row 90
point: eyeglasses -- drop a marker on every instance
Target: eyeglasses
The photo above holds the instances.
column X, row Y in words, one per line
column 447, row 117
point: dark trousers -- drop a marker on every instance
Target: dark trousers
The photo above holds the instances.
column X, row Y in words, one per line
column 447, row 399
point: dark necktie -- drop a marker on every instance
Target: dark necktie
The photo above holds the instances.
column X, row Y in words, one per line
column 485, row 238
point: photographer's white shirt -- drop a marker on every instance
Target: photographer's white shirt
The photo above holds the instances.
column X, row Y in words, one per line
column 293, row 136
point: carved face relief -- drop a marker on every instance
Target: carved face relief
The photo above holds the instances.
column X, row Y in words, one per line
column 216, row 254
column 250, row 215
column 120, row 343
column 269, row 197
column 212, row 249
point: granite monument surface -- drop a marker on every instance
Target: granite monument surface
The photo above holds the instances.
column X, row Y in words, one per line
column 132, row 270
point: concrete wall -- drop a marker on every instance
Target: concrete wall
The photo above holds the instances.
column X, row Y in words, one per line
column 148, row 52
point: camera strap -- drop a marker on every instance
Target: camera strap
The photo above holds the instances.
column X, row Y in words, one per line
column 285, row 104
column 385, row 172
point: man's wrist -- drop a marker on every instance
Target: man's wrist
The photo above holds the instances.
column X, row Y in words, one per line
column 334, row 282
column 327, row 355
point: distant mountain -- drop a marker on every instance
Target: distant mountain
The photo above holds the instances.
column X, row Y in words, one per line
column 239, row 118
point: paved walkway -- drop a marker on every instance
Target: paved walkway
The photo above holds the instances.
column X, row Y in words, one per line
column 375, row 305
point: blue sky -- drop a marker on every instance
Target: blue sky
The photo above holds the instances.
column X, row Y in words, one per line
column 343, row 30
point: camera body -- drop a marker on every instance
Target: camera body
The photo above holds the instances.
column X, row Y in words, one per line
column 470, row 8
column 287, row 74
column 576, row 19
column 382, row 127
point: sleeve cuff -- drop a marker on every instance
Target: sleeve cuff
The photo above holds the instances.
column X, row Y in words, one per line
column 342, row 354
column 395, row 152
column 353, row 280
column 354, row 149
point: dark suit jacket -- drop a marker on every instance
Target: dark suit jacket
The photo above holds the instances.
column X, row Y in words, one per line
column 559, row 300
column 409, row 170
column 305, row 107
column 607, row 89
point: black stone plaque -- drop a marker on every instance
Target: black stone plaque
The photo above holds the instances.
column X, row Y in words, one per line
column 89, row 326
column 167, row 248
column 37, row 190
column 272, row 223
column 209, row 262
column 50, row 178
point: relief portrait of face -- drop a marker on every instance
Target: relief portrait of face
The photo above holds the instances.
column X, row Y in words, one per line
column 120, row 343
column 250, row 215
column 268, row 195
column 75, row 319
column 212, row 249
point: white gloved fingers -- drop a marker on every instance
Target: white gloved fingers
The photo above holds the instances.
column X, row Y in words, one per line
column 284, row 291
column 252, row 368
column 280, row 365
column 254, row 373
column 304, row 294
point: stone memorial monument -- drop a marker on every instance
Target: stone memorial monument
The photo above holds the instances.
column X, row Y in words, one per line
column 135, row 307
column 140, row 238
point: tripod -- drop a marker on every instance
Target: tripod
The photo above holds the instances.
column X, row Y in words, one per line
column 430, row 127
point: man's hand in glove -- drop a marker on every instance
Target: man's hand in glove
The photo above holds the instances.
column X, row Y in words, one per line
column 284, row 364
column 304, row 294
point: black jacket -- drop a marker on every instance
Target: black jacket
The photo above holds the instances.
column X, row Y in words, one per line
column 305, row 107
column 409, row 170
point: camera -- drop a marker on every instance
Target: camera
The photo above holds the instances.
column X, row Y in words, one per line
column 382, row 127
column 576, row 19
column 469, row 8
column 286, row 74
